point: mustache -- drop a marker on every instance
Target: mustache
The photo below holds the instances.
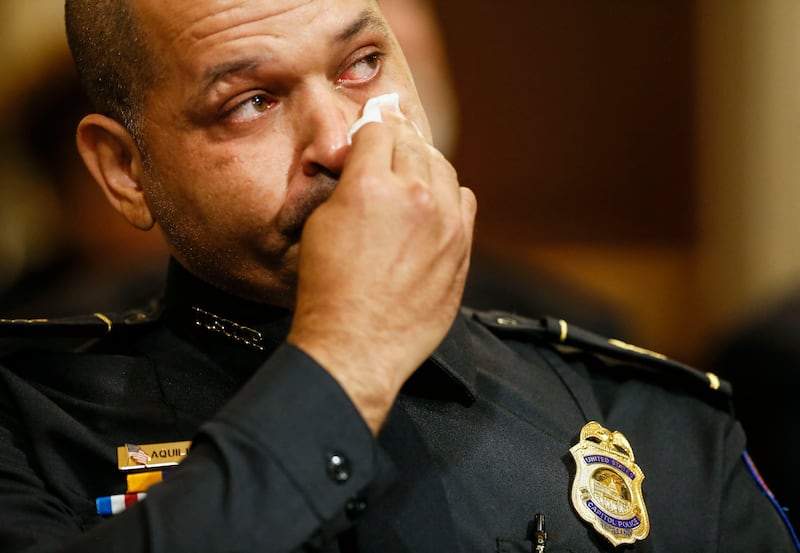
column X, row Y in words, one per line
column 294, row 218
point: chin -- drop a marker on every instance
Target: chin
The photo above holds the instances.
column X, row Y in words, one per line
column 271, row 283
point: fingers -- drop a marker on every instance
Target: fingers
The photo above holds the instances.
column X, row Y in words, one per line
column 394, row 237
column 397, row 154
column 413, row 160
column 469, row 208
column 376, row 145
column 396, row 146
column 372, row 149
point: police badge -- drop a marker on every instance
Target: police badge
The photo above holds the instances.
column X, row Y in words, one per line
column 607, row 490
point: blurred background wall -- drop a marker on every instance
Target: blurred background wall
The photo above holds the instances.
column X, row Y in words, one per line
column 643, row 152
column 63, row 250
column 647, row 152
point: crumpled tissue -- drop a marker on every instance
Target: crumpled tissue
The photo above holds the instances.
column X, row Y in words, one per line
column 372, row 112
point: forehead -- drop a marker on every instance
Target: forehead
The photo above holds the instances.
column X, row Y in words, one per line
column 183, row 25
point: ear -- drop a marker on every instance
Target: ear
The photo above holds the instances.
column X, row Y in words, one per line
column 114, row 160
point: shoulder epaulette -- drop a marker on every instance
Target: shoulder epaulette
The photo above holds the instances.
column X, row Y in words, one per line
column 562, row 335
column 95, row 325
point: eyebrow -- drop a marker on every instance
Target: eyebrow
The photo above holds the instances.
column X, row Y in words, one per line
column 219, row 72
column 367, row 20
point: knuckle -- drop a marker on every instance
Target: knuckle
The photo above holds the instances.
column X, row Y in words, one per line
column 469, row 201
column 422, row 197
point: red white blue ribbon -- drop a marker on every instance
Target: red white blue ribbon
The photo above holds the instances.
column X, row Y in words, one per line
column 114, row 504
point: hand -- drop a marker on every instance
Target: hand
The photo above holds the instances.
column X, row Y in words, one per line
column 382, row 264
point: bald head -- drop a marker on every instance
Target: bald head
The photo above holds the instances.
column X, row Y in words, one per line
column 112, row 58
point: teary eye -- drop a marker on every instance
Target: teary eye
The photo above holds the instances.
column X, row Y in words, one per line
column 362, row 70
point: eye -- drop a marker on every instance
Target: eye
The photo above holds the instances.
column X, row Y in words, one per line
column 252, row 107
column 362, row 70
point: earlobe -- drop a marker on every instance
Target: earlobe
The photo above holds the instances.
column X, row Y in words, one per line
column 114, row 160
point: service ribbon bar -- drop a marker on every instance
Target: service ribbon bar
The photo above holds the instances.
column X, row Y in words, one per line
column 114, row 504
column 141, row 481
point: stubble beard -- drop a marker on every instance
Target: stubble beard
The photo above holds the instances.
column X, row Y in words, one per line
column 292, row 221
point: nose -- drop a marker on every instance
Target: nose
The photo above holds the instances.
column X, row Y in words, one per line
column 324, row 125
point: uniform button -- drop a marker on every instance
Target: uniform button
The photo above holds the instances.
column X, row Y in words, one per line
column 338, row 467
column 355, row 507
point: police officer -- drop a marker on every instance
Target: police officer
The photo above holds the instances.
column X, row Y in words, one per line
column 308, row 382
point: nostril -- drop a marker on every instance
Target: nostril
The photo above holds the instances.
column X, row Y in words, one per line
column 317, row 169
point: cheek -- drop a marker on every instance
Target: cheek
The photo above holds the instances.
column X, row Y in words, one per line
column 217, row 198
column 410, row 103
column 214, row 182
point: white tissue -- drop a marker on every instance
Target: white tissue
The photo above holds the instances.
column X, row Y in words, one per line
column 372, row 112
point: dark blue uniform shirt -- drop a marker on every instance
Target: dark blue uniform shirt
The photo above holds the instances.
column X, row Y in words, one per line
column 476, row 446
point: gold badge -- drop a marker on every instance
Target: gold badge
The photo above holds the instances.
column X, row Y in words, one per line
column 149, row 456
column 607, row 490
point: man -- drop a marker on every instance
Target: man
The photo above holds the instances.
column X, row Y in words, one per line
column 310, row 345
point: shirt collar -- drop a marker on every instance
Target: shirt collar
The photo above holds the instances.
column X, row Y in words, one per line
column 450, row 372
column 233, row 330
